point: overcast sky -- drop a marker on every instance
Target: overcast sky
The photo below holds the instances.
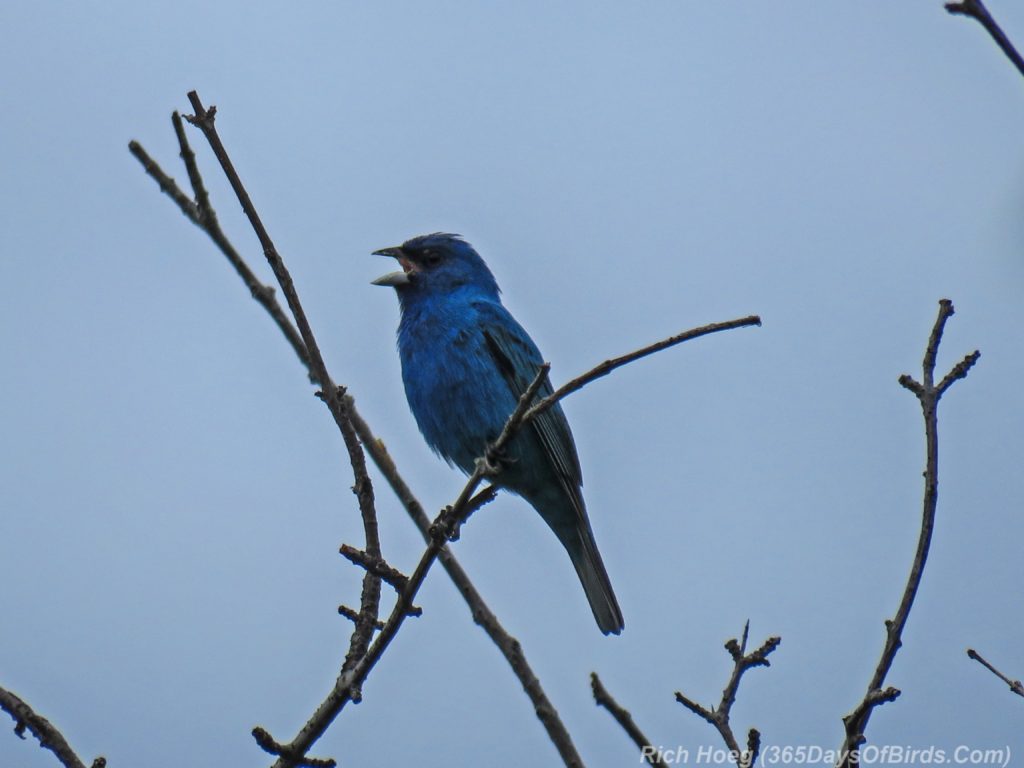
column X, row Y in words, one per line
column 174, row 495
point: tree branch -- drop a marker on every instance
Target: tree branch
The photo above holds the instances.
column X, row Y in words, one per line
column 929, row 395
column 719, row 716
column 1016, row 686
column 482, row 614
column 332, row 395
column 25, row 718
column 208, row 222
column 976, row 10
column 342, row 407
column 608, row 366
column 349, row 684
column 604, row 699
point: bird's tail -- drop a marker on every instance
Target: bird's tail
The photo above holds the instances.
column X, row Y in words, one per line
column 587, row 561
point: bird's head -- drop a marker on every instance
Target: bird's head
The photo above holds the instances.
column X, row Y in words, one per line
column 438, row 263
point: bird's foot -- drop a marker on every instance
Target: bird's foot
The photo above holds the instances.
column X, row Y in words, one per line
column 454, row 526
column 443, row 526
column 493, row 462
column 488, row 466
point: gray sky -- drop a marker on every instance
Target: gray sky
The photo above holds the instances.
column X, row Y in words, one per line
column 174, row 495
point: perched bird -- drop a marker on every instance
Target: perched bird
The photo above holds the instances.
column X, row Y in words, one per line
column 465, row 363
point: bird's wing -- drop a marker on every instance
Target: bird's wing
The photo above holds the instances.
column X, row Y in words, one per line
column 519, row 360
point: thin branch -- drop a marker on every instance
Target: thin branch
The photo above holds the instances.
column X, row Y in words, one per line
column 482, row 614
column 376, row 565
column 347, row 687
column 448, row 520
column 355, row 616
column 349, row 684
column 622, row 716
column 357, row 666
column 264, row 294
column 1016, row 686
column 480, row 611
column 483, row 498
column 608, row 366
column 25, row 718
column 719, row 716
column 334, row 397
column 976, row 10
column 205, row 120
column 929, row 395
column 267, row 743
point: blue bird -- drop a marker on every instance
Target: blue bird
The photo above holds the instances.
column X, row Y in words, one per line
column 465, row 363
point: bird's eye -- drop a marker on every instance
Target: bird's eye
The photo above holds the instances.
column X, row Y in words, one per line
column 431, row 258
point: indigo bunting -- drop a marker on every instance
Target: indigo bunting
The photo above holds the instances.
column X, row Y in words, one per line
column 465, row 363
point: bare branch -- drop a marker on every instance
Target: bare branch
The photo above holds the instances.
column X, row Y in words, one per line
column 267, row 743
column 482, row 614
column 209, row 223
column 375, row 565
column 976, row 10
column 1016, row 686
column 25, row 718
column 334, row 397
column 350, row 681
column 167, row 185
column 484, row 497
column 357, row 666
column 929, row 395
column 719, row 716
column 349, row 684
column 608, row 366
column 355, row 616
column 604, row 699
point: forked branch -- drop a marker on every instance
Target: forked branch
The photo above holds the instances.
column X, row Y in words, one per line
column 928, row 394
column 482, row 614
column 719, row 716
column 27, row 719
column 360, row 661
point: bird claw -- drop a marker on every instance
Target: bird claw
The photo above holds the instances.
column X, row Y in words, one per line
column 446, row 528
column 454, row 530
column 489, row 465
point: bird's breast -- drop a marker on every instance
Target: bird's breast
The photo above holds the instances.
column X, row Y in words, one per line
column 455, row 391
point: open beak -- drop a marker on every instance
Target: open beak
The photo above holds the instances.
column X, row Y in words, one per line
column 394, row 279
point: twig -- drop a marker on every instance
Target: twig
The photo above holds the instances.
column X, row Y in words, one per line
column 357, row 665
column 482, row 614
column 25, row 718
column 976, row 9
column 719, row 716
column 484, row 497
column 929, row 394
column 1016, row 686
column 617, row 362
column 448, row 522
column 347, row 686
column 604, row 699
column 334, row 397
column 267, row 743
column 375, row 565
column 209, row 223
column 349, row 683
column 355, row 616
